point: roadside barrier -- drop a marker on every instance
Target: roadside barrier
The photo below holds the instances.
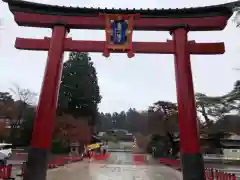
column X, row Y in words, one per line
column 52, row 165
column 101, row 156
column 71, row 159
column 210, row 173
column 6, row 172
column 138, row 158
column 20, row 156
column 214, row 174
column 60, row 161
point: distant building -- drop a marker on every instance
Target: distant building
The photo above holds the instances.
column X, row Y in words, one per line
column 100, row 134
column 231, row 148
column 7, row 122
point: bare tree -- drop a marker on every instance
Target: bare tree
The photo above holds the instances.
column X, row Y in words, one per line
column 25, row 97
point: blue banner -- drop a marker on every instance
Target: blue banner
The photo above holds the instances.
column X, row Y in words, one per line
column 119, row 29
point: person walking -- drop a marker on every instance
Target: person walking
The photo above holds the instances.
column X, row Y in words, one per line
column 105, row 148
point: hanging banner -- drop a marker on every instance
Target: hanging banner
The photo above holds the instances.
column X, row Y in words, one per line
column 119, row 28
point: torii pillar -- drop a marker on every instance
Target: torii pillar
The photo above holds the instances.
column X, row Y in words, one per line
column 46, row 111
column 187, row 117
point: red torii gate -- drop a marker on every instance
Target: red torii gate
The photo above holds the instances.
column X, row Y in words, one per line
column 62, row 19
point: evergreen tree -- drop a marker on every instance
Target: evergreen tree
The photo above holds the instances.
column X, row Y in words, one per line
column 27, row 126
column 79, row 91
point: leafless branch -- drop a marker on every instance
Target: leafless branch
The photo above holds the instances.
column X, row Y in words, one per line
column 23, row 94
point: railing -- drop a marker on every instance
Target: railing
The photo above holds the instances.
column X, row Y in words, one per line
column 21, row 156
column 6, row 172
column 210, row 173
column 101, row 156
column 61, row 161
column 138, row 158
column 221, row 157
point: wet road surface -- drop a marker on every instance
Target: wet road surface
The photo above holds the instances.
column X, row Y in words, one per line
column 118, row 167
column 119, row 164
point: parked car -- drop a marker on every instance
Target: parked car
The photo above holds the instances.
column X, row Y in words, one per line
column 5, row 152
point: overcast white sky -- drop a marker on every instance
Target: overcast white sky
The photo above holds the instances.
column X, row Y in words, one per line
column 124, row 82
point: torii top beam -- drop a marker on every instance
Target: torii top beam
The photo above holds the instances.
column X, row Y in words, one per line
column 198, row 19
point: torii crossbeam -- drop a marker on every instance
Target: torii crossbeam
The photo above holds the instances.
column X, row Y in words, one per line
column 138, row 47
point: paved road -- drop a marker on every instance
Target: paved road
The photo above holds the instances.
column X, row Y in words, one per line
column 119, row 167
column 123, row 164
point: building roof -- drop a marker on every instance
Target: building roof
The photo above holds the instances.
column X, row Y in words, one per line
column 214, row 10
column 234, row 137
